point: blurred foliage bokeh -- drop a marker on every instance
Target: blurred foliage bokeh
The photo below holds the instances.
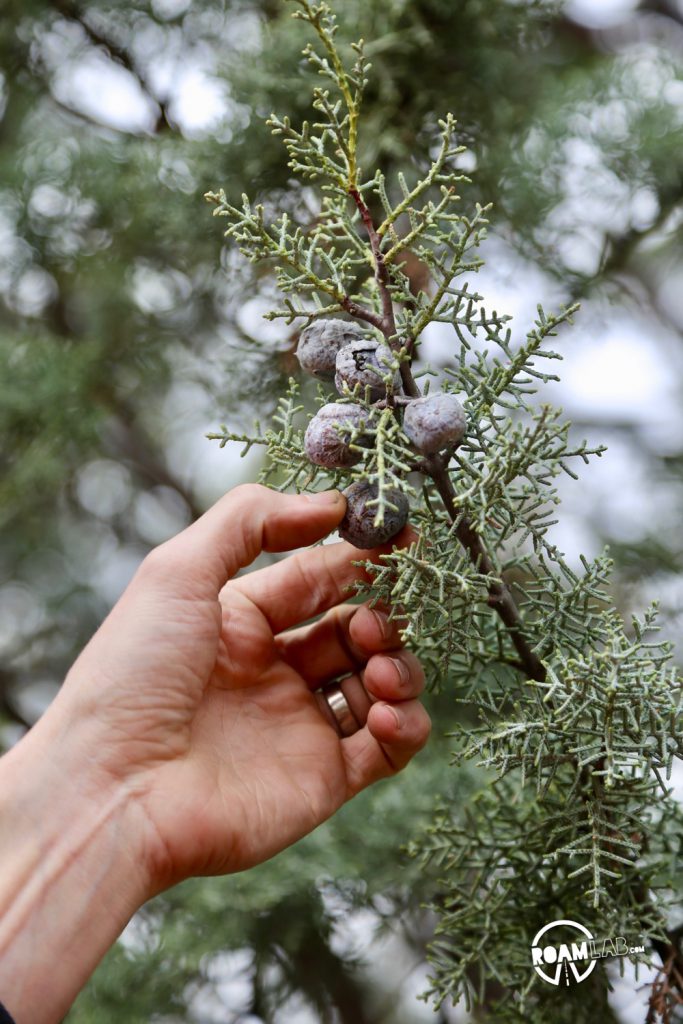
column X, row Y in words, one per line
column 127, row 330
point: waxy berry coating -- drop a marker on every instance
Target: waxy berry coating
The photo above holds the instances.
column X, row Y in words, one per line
column 320, row 342
column 366, row 362
column 327, row 444
column 434, row 422
column 357, row 526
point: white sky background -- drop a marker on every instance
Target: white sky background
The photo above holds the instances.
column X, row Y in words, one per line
column 616, row 367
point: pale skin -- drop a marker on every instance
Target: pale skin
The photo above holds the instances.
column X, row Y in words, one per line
column 190, row 736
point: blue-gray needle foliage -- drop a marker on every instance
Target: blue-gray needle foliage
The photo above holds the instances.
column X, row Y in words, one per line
column 574, row 714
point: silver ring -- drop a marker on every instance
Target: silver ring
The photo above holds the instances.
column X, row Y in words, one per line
column 339, row 706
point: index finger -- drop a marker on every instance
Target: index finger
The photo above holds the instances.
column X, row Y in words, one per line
column 247, row 520
column 311, row 582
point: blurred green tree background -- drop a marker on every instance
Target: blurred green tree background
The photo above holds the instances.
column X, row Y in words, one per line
column 127, row 331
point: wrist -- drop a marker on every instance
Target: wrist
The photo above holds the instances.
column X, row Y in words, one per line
column 71, row 874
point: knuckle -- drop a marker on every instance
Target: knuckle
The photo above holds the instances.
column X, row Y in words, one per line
column 343, row 617
column 159, row 563
column 248, row 495
column 249, row 492
column 153, row 561
column 322, row 582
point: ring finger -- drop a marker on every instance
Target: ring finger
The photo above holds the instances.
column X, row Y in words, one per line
column 345, row 704
column 391, row 677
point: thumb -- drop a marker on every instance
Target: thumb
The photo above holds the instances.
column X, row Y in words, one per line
column 247, row 520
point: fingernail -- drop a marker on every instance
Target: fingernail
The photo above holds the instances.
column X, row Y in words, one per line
column 325, row 497
column 382, row 623
column 402, row 670
column 396, row 714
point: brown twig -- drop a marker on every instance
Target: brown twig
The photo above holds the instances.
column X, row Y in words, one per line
column 381, row 272
column 664, row 998
column 362, row 312
column 500, row 597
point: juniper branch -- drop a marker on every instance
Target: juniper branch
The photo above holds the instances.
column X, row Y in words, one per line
column 500, row 597
column 387, row 324
column 319, row 16
column 424, row 184
column 563, row 728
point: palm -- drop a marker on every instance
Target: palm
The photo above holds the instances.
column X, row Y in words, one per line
column 209, row 712
column 257, row 748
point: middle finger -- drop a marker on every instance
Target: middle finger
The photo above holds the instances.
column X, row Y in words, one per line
column 339, row 642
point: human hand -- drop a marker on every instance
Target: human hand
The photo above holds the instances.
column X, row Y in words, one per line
column 189, row 738
column 198, row 702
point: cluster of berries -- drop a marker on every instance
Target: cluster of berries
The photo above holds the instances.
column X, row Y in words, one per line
column 338, row 350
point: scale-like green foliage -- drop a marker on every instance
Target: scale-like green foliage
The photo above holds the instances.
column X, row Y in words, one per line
column 577, row 715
